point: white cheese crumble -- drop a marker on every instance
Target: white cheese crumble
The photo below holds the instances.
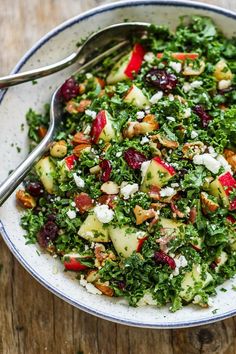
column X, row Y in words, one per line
column 78, row 181
column 90, row 113
column 224, row 163
column 187, row 112
column 87, row 130
column 194, row 134
column 147, row 299
column 119, row 154
column 170, row 119
column 224, row 84
column 140, row 115
column 144, row 140
column 157, row 97
column 190, row 86
column 73, row 204
column 144, row 168
column 89, row 75
column 174, row 185
column 167, row 192
column 208, row 161
column 71, row 214
column 212, row 151
column 180, row 262
column 171, row 97
column 129, row 190
column 149, row 57
column 175, row 66
column 103, row 213
column 89, row 287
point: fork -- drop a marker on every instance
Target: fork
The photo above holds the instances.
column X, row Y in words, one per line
column 121, row 33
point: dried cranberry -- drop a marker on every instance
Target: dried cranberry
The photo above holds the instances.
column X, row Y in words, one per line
column 161, row 79
column 203, row 115
column 51, row 217
column 121, row 285
column 70, row 89
column 34, row 188
column 213, row 265
column 161, row 257
column 134, row 158
column 47, row 233
column 106, row 170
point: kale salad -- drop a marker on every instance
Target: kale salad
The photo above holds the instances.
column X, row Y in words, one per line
column 137, row 194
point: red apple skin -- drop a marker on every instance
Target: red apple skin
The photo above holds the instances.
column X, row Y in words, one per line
column 136, row 60
column 74, row 265
column 180, row 56
column 168, row 167
column 70, row 161
column 98, row 125
column 140, row 243
column 231, row 219
column 228, row 181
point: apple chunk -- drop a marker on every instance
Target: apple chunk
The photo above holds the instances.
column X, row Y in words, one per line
column 222, row 186
column 93, row 230
column 45, row 169
column 157, row 174
column 126, row 240
column 136, row 97
column 126, row 66
column 102, row 127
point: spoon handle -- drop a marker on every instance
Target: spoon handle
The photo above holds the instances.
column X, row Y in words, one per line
column 16, row 79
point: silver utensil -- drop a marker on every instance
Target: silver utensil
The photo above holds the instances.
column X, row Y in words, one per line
column 101, row 41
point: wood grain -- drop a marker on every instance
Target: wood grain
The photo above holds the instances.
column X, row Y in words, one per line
column 32, row 320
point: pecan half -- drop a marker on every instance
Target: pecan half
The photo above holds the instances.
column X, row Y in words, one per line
column 25, row 199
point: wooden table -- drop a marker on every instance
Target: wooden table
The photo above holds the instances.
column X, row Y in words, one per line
column 32, row 320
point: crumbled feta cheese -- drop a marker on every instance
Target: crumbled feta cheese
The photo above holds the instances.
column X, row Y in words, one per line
column 71, row 214
column 212, row 151
column 187, row 112
column 224, row 163
column 140, row 115
column 73, row 204
column 189, row 86
column 90, row 113
column 167, row 192
column 144, row 168
column 170, row 119
column 224, row 84
column 103, row 213
column 193, row 134
column 171, row 97
column 78, row 181
column 129, row 190
column 157, row 97
column 208, row 161
column 149, row 57
column 119, row 154
column 175, row 66
column 144, row 140
column 174, row 185
column 180, row 262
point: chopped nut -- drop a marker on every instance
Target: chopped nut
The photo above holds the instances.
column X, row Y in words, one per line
column 25, row 199
column 80, row 138
column 191, row 149
column 58, row 149
column 92, row 276
column 151, row 120
column 189, row 69
column 176, row 211
column 42, row 131
column 230, row 156
column 75, row 107
column 110, row 187
column 148, row 125
column 208, row 205
column 81, row 147
column 222, row 71
column 142, row 215
column 105, row 289
column 170, row 144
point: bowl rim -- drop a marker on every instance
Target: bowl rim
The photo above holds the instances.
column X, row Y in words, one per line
column 52, row 33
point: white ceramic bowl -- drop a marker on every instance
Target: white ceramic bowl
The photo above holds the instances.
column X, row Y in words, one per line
column 15, row 103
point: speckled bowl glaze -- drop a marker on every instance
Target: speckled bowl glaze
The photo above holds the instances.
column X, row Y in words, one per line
column 14, row 104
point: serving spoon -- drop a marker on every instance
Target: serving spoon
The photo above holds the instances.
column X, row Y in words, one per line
column 94, row 50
